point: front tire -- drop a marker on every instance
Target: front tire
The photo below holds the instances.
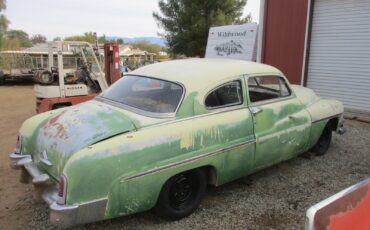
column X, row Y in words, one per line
column 322, row 145
column 181, row 194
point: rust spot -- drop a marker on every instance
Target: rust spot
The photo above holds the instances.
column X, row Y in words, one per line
column 53, row 123
column 54, row 119
column 61, row 131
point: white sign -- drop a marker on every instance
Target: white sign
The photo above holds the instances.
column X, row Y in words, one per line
column 235, row 42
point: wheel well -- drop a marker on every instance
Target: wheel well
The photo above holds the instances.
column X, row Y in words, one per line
column 211, row 174
column 61, row 105
column 333, row 123
column 208, row 170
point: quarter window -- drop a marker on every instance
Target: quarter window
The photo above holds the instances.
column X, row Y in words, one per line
column 263, row 88
column 225, row 95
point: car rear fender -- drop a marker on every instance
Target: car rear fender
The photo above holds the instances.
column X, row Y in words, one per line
column 131, row 195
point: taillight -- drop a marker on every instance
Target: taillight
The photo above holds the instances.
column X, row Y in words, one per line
column 18, row 145
column 62, row 190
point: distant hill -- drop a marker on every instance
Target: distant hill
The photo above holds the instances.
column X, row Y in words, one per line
column 154, row 40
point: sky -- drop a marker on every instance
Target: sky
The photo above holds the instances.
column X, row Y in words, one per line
column 61, row 18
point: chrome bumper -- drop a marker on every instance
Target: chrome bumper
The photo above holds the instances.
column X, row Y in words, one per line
column 60, row 215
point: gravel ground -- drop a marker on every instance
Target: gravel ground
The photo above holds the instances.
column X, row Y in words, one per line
column 275, row 198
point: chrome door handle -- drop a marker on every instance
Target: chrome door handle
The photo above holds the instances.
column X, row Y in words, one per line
column 255, row 110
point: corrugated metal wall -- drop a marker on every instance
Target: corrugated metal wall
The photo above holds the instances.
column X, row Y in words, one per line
column 284, row 36
column 339, row 56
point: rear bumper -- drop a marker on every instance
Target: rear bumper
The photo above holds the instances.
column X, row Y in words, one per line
column 60, row 215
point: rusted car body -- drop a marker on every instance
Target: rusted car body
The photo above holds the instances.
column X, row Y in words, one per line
column 157, row 136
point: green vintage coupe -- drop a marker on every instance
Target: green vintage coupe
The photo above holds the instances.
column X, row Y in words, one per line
column 159, row 135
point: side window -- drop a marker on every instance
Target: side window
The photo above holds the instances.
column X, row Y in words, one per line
column 225, row 95
column 263, row 88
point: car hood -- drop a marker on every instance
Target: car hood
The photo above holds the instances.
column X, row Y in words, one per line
column 75, row 128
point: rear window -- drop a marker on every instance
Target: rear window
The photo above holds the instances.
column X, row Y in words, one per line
column 146, row 94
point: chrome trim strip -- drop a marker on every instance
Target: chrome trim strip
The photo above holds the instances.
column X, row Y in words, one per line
column 15, row 159
column 155, row 170
column 46, row 162
column 41, row 179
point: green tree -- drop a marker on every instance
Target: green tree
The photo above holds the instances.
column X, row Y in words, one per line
column 86, row 37
column 102, row 39
column 21, row 36
column 38, row 38
column 120, row 41
column 147, row 46
column 57, row 39
column 3, row 22
column 186, row 23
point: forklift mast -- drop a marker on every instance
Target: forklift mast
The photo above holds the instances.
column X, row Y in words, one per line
column 57, row 96
column 111, row 62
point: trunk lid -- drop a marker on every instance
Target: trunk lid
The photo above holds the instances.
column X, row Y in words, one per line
column 75, row 128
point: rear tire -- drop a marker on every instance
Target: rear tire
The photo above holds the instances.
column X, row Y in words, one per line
column 322, row 145
column 181, row 194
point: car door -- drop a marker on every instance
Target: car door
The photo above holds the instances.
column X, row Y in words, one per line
column 281, row 124
column 227, row 106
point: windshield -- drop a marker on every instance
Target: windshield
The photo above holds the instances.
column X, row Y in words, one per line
column 146, row 94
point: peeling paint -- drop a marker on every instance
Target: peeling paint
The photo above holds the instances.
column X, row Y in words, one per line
column 98, row 146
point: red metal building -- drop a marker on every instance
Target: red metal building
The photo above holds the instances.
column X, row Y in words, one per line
column 322, row 44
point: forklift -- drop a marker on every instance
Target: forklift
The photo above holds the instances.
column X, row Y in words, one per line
column 59, row 87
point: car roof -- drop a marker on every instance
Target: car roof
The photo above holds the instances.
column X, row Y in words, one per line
column 198, row 73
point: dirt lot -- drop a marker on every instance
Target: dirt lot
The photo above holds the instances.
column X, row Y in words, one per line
column 276, row 198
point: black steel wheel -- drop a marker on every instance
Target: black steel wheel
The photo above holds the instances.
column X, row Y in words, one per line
column 322, row 145
column 181, row 195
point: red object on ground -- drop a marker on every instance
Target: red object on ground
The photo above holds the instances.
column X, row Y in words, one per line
column 348, row 209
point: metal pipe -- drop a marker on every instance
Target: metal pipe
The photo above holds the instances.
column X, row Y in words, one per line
column 60, row 69
column 50, row 54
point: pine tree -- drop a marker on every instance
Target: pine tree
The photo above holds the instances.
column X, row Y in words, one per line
column 186, row 23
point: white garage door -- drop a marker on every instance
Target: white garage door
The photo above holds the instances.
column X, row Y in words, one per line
column 339, row 61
